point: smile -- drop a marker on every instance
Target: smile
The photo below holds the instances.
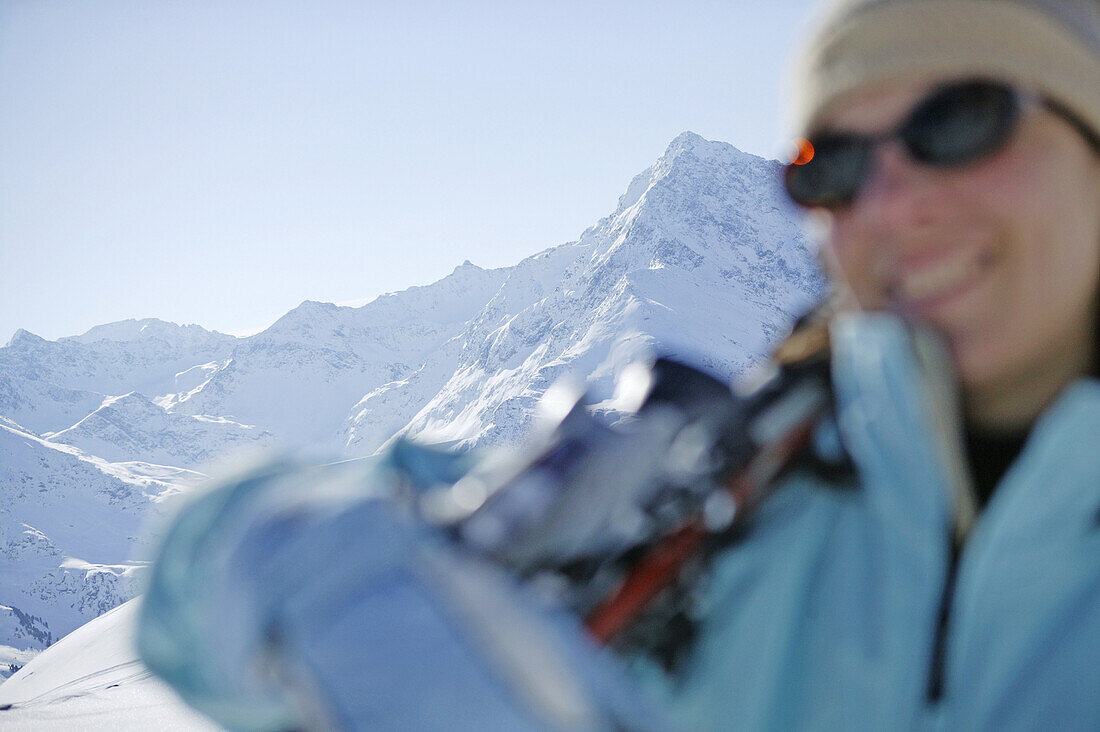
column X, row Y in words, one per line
column 927, row 283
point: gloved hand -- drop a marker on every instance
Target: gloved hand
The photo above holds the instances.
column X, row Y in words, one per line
column 290, row 598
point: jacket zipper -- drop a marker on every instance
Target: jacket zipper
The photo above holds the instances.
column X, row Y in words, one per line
column 947, row 428
column 938, row 668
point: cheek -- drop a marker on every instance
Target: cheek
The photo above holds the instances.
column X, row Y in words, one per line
column 1056, row 229
column 1050, row 191
column 850, row 260
column 1046, row 228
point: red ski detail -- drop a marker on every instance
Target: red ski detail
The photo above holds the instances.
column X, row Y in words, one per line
column 656, row 571
column 661, row 565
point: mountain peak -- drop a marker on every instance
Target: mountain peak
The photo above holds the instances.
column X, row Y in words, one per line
column 685, row 140
column 25, row 337
column 316, row 306
column 133, row 329
column 688, row 156
column 467, row 266
column 300, row 320
column 702, row 147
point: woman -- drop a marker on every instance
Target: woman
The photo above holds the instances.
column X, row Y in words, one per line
column 952, row 162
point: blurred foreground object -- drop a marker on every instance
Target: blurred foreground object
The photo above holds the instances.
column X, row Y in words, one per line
column 447, row 591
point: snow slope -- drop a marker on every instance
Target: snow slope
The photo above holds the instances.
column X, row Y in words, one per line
column 93, row 680
column 42, row 406
column 299, row 378
column 131, row 427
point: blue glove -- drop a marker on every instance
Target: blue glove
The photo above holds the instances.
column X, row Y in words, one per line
column 291, row 598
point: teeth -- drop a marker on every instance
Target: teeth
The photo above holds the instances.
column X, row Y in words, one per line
column 936, row 279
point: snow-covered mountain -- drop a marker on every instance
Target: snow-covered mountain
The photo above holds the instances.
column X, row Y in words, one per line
column 702, row 257
column 70, row 528
column 132, row 355
column 300, row 377
column 131, row 427
column 48, row 386
column 41, row 405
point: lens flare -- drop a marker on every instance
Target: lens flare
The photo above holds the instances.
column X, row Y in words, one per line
column 802, row 151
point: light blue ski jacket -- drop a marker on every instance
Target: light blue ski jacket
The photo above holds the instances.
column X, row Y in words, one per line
column 826, row 616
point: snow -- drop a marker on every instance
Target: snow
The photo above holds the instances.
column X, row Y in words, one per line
column 41, row 406
column 59, row 505
column 299, row 378
column 93, row 680
column 132, row 427
column 13, row 658
column 145, row 329
column 145, row 358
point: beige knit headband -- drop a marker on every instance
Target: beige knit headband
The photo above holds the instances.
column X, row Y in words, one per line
column 1052, row 46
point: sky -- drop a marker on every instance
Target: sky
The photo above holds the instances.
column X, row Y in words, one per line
column 218, row 162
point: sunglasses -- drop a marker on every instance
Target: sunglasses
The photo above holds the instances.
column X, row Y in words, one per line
column 955, row 125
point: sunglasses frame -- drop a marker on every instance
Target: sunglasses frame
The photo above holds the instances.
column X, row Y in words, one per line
column 866, row 144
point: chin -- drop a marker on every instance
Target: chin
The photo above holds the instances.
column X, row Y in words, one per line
column 980, row 365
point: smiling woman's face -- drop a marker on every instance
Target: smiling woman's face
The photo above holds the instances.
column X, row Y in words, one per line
column 1002, row 255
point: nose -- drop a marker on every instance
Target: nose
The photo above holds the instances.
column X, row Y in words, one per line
column 898, row 192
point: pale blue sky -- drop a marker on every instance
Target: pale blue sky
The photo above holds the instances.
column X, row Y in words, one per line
column 219, row 161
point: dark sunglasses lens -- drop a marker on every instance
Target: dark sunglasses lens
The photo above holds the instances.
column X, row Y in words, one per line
column 833, row 175
column 961, row 123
